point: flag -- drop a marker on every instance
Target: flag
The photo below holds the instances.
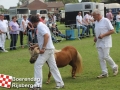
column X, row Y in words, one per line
column 5, row 80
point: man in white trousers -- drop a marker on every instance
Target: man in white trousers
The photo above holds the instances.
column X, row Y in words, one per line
column 3, row 30
column 103, row 31
column 46, row 49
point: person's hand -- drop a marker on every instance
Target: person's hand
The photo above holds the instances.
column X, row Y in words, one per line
column 42, row 51
column 0, row 32
column 12, row 30
column 101, row 36
column 95, row 39
column 31, row 47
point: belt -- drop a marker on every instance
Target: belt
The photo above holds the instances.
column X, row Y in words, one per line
column 48, row 49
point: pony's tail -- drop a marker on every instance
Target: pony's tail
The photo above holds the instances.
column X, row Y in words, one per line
column 79, row 63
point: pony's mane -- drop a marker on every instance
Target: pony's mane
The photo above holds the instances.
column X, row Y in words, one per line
column 56, row 50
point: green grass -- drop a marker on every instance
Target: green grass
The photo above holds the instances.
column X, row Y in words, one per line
column 16, row 63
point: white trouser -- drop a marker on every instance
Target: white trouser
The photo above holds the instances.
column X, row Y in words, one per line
column 42, row 58
column 103, row 57
column 2, row 40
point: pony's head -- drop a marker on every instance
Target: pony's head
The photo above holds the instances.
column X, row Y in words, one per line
column 34, row 54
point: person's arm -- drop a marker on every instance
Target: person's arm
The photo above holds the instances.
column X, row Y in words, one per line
column 106, row 34
column 84, row 21
column 30, row 25
column 23, row 24
column 46, row 37
column 110, row 30
column 0, row 32
column 79, row 21
column 10, row 27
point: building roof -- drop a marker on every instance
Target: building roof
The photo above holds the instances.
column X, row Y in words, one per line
column 55, row 4
column 34, row 5
column 12, row 7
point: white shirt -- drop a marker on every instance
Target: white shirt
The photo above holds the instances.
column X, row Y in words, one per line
column 25, row 23
column 101, row 27
column 42, row 30
column 85, row 18
column 91, row 18
column 80, row 20
column 3, row 26
column 117, row 18
column 6, row 21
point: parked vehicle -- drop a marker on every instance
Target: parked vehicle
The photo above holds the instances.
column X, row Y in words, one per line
column 115, row 7
column 42, row 12
column 19, row 12
column 72, row 9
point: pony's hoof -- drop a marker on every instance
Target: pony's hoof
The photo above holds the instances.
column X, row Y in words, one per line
column 47, row 82
column 73, row 77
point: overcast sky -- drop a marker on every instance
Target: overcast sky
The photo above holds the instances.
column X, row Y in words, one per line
column 8, row 3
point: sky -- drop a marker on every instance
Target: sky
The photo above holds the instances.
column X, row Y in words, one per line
column 8, row 3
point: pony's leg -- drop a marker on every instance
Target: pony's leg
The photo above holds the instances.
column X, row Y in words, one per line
column 74, row 71
column 49, row 75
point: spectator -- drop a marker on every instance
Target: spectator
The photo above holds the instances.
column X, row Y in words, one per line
column 86, row 23
column 23, row 26
column 118, row 22
column 50, row 20
column 3, row 30
column 54, row 18
column 38, row 14
column 79, row 25
column 92, row 24
column 109, row 15
column 14, row 31
column 31, row 32
column 43, row 20
column 56, row 32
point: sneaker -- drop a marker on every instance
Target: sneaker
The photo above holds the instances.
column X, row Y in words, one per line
column 102, row 76
column 5, row 51
column 80, row 37
column 115, row 70
column 58, row 40
column 35, row 88
column 58, row 87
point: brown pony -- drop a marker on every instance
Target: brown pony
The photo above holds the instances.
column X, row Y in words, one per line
column 67, row 55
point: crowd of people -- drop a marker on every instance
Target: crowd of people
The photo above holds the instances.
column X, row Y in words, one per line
column 87, row 21
column 11, row 30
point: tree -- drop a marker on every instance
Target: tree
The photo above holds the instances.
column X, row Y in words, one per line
column 18, row 4
column 68, row 1
column 114, row 1
column 91, row 0
column 76, row 1
column 22, row 1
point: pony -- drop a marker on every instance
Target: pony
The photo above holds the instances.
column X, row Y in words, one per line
column 66, row 56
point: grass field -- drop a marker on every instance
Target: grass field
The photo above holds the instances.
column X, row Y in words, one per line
column 16, row 63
